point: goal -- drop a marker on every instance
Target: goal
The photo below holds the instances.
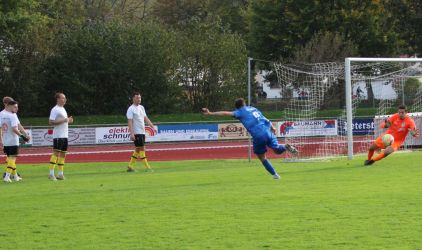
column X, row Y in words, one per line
column 332, row 109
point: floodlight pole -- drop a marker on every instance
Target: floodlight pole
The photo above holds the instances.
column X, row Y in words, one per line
column 249, row 103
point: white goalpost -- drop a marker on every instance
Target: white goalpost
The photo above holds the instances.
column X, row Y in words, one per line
column 361, row 90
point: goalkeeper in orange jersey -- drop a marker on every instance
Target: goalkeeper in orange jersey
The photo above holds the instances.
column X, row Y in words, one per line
column 398, row 125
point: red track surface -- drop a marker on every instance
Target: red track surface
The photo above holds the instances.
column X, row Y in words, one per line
column 161, row 152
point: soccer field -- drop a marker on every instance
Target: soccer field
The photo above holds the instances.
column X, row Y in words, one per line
column 218, row 204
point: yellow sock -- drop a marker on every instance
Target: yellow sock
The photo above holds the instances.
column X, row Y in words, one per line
column 53, row 162
column 12, row 163
column 60, row 164
column 6, row 163
column 9, row 168
column 144, row 159
column 133, row 159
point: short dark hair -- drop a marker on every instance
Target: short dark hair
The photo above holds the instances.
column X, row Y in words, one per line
column 403, row 107
column 13, row 102
column 135, row 93
column 7, row 99
column 239, row 103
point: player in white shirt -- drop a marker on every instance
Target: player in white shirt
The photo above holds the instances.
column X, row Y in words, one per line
column 10, row 137
column 6, row 100
column 59, row 119
column 137, row 117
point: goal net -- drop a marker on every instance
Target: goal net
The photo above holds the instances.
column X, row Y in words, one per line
column 319, row 100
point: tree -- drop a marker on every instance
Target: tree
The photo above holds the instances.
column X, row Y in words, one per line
column 230, row 13
column 178, row 13
column 213, row 66
column 277, row 28
column 406, row 15
column 412, row 87
column 100, row 65
column 24, row 42
column 325, row 47
column 269, row 36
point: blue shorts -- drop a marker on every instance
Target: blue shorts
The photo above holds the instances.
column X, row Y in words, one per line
column 261, row 142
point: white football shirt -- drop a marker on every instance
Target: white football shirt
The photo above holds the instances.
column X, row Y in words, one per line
column 61, row 130
column 2, row 112
column 137, row 114
column 8, row 122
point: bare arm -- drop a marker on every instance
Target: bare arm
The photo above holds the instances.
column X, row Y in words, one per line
column 148, row 121
column 206, row 111
column 130, row 126
column 21, row 129
column 24, row 137
column 273, row 129
column 16, row 131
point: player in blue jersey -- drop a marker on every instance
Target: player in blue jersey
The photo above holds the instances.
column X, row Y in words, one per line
column 261, row 130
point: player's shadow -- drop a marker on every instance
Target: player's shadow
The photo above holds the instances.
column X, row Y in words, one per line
column 348, row 167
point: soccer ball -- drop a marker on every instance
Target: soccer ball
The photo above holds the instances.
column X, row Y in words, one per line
column 387, row 140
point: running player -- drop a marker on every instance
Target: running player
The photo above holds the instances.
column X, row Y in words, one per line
column 398, row 125
column 261, row 130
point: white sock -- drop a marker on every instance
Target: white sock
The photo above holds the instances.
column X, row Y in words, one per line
column 7, row 175
column 60, row 173
column 51, row 171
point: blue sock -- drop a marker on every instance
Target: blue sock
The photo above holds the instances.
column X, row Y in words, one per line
column 280, row 149
column 268, row 167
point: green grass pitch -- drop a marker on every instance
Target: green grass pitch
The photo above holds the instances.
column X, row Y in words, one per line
column 218, row 204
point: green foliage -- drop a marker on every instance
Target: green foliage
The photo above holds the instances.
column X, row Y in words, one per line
column 325, row 47
column 181, row 54
column 98, row 53
column 24, row 33
column 230, row 13
column 213, row 68
column 218, row 204
column 269, row 36
column 100, row 65
column 178, row 14
column 412, row 87
column 406, row 15
column 276, row 28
